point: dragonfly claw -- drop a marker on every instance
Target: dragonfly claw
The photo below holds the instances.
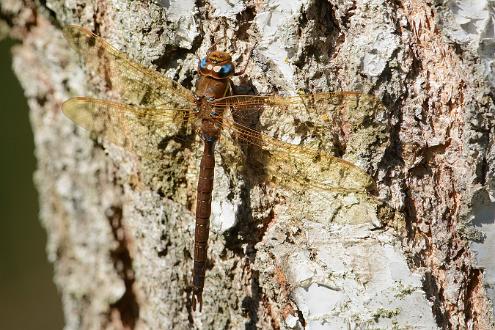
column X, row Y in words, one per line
column 199, row 298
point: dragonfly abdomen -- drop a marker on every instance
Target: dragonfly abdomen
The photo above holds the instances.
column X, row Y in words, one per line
column 203, row 211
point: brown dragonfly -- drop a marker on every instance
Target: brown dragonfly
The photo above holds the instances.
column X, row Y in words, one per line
column 149, row 98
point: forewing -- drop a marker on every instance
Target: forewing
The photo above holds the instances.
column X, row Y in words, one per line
column 121, row 124
column 134, row 83
column 350, row 111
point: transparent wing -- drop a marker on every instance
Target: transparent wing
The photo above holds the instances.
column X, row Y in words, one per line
column 351, row 110
column 133, row 83
column 298, row 167
column 357, row 119
column 122, row 124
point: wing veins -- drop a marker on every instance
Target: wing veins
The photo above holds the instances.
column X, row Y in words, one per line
column 300, row 156
column 96, row 50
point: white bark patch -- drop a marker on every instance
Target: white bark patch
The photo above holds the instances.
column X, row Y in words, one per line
column 474, row 19
column 274, row 22
column 223, row 210
column 347, row 274
column 227, row 8
column 472, row 23
column 317, row 300
column 223, row 215
column 380, row 51
column 484, row 220
column 181, row 12
column 301, row 268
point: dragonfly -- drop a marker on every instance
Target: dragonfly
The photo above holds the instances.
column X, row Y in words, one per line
column 216, row 114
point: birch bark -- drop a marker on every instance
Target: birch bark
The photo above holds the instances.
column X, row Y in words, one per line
column 120, row 228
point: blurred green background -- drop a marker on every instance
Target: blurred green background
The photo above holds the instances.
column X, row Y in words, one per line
column 28, row 297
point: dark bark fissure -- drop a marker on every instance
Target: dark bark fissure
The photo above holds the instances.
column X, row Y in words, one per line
column 300, row 315
column 346, row 19
column 8, row 19
column 410, row 219
column 483, row 166
column 127, row 306
column 434, row 293
column 317, row 20
column 248, row 232
column 483, row 171
column 51, row 14
column 173, row 55
column 475, row 280
column 245, row 20
column 162, row 252
column 250, row 305
column 235, row 238
column 96, row 22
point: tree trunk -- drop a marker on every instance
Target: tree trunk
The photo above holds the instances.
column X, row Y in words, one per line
column 121, row 225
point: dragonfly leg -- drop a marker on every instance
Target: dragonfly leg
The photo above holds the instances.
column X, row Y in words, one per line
column 214, row 45
column 197, row 297
column 241, row 72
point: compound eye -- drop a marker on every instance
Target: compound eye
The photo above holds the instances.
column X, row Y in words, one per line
column 226, row 70
column 202, row 63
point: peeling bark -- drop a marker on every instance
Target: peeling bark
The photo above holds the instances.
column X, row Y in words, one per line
column 121, row 225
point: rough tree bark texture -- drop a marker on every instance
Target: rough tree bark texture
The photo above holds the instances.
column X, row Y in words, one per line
column 120, row 226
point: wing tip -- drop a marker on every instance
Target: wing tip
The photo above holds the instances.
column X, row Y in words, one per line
column 70, row 106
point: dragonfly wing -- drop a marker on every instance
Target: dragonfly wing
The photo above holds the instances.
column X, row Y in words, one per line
column 122, row 124
column 349, row 123
column 344, row 123
column 134, row 83
column 351, row 111
column 297, row 167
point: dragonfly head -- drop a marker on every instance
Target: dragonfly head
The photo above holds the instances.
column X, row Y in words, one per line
column 216, row 64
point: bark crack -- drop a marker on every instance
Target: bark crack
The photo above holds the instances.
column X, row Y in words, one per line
column 127, row 307
column 475, row 281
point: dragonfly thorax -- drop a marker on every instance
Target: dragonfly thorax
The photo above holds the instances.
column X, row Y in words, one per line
column 209, row 118
column 211, row 86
